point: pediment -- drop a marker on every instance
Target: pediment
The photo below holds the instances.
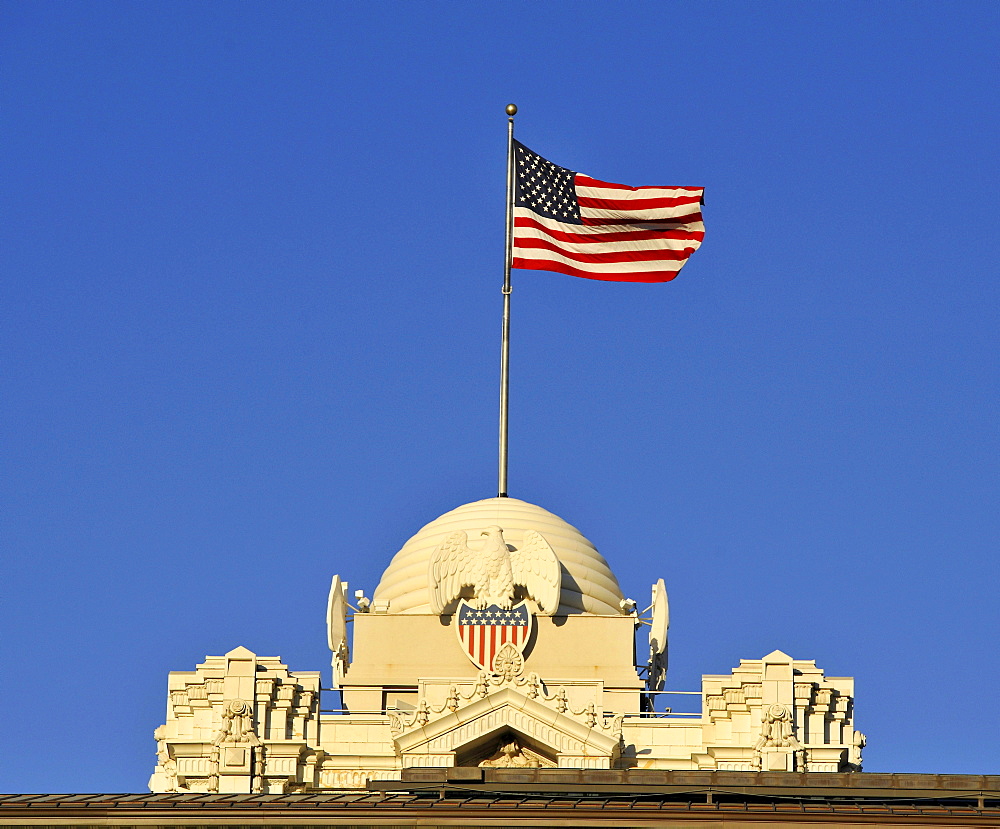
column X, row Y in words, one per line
column 507, row 710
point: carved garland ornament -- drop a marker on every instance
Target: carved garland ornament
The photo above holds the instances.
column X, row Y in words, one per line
column 776, row 728
column 237, row 729
column 531, row 686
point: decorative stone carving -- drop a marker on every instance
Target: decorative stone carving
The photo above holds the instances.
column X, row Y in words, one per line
column 213, row 771
column 583, row 761
column 483, row 633
column 517, row 720
column 237, row 724
column 822, row 699
column 734, row 696
column 508, row 662
column 237, row 728
column 534, row 686
column 482, row 684
column 396, row 723
column 561, row 700
column 164, row 761
column 776, row 728
column 511, row 755
column 857, row 744
column 219, row 744
column 494, row 571
column 486, row 684
column 509, row 711
column 353, row 778
column 428, row 761
column 613, row 724
column 250, row 725
column 452, row 702
column 810, row 730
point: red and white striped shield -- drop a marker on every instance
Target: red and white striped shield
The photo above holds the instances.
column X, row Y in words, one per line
column 483, row 632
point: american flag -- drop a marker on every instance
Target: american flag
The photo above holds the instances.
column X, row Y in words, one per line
column 484, row 632
column 571, row 223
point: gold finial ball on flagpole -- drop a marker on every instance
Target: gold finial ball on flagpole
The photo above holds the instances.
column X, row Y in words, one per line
column 511, row 110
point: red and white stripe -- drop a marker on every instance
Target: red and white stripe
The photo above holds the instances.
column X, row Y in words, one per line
column 483, row 641
column 629, row 234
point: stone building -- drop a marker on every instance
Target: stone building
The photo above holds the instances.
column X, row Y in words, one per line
column 498, row 637
column 492, row 680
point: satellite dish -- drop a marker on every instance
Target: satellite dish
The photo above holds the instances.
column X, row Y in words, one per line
column 658, row 637
column 336, row 628
column 661, row 618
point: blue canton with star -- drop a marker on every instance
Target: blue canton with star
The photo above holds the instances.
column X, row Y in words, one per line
column 493, row 615
column 543, row 187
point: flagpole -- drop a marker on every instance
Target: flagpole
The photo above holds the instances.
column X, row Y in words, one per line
column 505, row 337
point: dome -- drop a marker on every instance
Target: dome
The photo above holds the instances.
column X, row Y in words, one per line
column 588, row 585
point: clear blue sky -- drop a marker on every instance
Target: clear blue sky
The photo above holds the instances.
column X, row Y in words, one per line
column 251, row 265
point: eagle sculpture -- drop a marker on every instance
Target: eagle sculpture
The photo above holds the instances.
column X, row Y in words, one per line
column 494, row 571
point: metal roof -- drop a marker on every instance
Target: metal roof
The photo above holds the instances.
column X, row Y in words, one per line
column 554, row 797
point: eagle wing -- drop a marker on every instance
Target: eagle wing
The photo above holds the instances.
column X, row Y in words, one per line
column 452, row 567
column 534, row 564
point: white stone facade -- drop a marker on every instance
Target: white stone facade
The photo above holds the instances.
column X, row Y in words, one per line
column 565, row 695
column 238, row 723
column 770, row 714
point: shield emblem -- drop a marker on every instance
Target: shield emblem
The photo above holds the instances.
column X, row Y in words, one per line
column 483, row 632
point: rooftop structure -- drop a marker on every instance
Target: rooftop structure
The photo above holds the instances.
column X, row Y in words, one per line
column 497, row 638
